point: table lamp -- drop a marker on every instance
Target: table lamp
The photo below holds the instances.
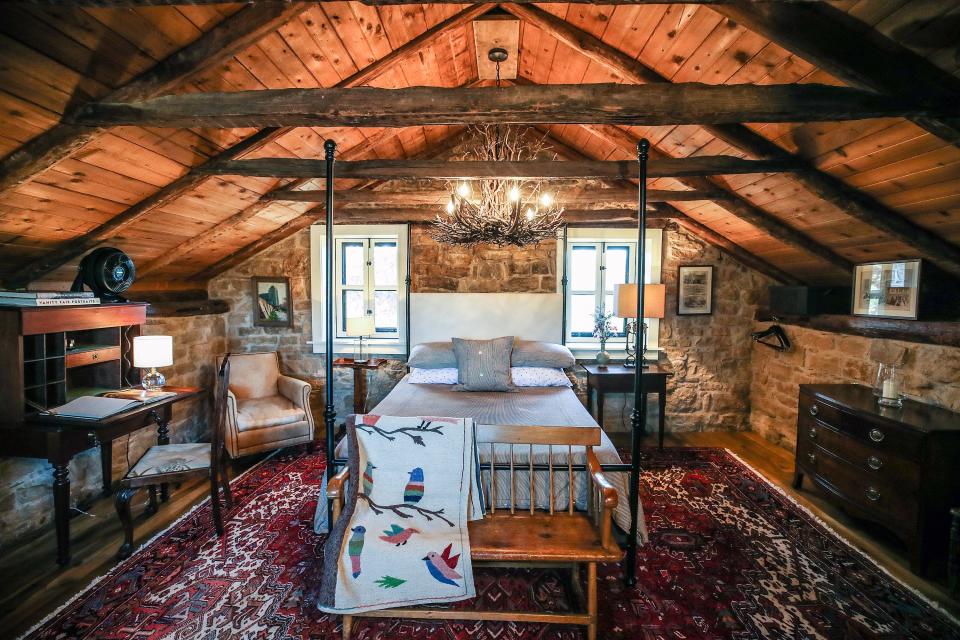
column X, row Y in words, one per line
column 360, row 327
column 152, row 352
column 625, row 303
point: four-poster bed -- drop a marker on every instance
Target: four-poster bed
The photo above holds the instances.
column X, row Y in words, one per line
column 405, row 400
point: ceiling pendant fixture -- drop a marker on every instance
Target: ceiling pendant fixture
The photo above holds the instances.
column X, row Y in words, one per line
column 494, row 210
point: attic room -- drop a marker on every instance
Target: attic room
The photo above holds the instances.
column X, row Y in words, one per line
column 665, row 292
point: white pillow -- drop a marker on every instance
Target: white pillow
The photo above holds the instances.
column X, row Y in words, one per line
column 522, row 377
column 539, row 377
column 434, row 376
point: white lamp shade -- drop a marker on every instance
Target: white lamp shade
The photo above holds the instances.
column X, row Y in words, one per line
column 360, row 326
column 152, row 351
column 625, row 300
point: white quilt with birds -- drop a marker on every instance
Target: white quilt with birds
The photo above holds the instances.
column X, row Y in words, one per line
column 402, row 539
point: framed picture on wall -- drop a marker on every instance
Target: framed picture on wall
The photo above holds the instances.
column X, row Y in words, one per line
column 695, row 290
column 887, row 289
column 272, row 306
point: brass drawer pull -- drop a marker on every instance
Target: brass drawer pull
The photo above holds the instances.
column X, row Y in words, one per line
column 812, row 458
column 813, row 433
column 95, row 356
column 873, row 494
column 876, row 435
column 814, row 411
column 874, row 462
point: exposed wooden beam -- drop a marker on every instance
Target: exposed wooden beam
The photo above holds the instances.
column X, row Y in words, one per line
column 473, row 170
column 635, row 105
column 78, row 246
column 854, row 52
column 833, row 190
column 234, row 34
column 588, row 197
column 416, row 215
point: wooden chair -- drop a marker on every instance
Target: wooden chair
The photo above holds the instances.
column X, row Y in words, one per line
column 167, row 463
column 557, row 536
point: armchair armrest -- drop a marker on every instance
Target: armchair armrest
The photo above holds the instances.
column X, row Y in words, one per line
column 296, row 391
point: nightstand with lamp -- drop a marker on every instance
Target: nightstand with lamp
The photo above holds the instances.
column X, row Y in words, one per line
column 360, row 327
column 625, row 303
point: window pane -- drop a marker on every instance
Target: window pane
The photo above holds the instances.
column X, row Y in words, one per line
column 385, row 311
column 353, row 263
column 385, row 264
column 619, row 324
column 583, row 268
column 618, row 260
column 581, row 314
column 353, row 306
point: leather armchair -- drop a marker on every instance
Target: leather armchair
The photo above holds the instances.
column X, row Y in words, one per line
column 265, row 409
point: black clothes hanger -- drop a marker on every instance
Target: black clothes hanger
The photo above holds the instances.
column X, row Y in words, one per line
column 773, row 336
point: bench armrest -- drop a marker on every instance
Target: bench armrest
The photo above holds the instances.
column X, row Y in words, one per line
column 336, row 490
column 609, row 492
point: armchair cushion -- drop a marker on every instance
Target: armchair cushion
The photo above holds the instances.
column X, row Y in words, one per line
column 170, row 458
column 272, row 411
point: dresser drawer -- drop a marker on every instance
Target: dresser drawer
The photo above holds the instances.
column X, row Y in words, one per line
column 879, row 436
column 896, row 506
column 883, row 465
column 92, row 356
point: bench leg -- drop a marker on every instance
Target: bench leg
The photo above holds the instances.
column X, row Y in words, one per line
column 347, row 627
column 592, row 600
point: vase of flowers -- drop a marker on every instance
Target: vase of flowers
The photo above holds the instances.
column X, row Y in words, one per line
column 602, row 329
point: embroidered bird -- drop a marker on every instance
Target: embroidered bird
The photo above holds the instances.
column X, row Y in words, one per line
column 354, row 548
column 397, row 535
column 413, row 492
column 368, row 478
column 442, row 565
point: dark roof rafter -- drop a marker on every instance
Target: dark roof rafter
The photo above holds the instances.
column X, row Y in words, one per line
column 595, row 197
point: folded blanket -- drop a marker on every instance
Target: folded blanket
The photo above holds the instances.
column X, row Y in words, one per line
column 401, row 539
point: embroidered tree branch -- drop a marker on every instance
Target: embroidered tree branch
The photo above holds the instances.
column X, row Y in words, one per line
column 400, row 510
column 414, row 433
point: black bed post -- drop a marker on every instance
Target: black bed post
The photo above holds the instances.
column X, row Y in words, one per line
column 407, row 282
column 563, row 288
column 638, row 417
column 329, row 414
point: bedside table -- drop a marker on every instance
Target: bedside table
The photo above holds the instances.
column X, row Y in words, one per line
column 616, row 378
column 359, row 378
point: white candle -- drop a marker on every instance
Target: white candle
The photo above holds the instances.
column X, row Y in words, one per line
column 890, row 389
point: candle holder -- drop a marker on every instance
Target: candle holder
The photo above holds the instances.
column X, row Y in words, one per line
column 887, row 388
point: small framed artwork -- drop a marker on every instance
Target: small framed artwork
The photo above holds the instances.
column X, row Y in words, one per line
column 272, row 306
column 695, row 290
column 889, row 289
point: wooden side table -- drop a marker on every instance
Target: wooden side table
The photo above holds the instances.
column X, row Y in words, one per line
column 616, row 378
column 359, row 378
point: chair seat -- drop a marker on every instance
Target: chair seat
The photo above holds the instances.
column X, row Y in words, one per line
column 171, row 458
column 271, row 411
column 526, row 537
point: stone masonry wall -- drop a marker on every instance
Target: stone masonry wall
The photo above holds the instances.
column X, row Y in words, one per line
column 480, row 269
column 26, row 498
column 930, row 373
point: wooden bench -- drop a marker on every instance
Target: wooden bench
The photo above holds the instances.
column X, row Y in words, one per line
column 552, row 536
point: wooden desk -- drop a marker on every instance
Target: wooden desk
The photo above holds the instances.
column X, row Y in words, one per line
column 616, row 378
column 59, row 439
column 359, row 378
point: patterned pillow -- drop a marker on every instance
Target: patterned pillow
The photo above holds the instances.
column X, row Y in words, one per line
column 539, row 377
column 433, row 376
column 483, row 365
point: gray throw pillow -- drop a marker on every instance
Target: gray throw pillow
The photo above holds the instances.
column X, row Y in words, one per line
column 432, row 355
column 484, row 365
column 533, row 353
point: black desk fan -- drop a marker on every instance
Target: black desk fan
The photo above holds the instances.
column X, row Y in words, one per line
column 107, row 271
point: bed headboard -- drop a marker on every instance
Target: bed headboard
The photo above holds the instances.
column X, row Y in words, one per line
column 438, row 317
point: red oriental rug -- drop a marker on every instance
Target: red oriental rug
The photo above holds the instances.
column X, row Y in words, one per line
column 729, row 557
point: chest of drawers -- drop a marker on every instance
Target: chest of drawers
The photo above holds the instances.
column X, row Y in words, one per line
column 899, row 468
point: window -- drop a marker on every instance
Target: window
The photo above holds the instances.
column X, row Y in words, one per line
column 597, row 261
column 369, row 274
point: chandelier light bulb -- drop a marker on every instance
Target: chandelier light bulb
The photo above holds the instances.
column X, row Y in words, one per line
column 530, row 213
column 514, row 194
column 464, row 190
column 450, row 206
column 546, row 199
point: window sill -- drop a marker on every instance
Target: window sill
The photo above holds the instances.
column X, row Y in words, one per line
column 347, row 348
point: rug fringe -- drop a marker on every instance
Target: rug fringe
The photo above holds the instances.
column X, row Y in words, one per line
column 116, row 568
column 810, row 514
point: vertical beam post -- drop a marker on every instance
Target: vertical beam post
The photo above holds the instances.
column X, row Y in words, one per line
column 407, row 282
column 329, row 414
column 638, row 417
column 563, row 286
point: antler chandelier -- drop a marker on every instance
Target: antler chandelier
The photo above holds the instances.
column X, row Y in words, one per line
column 499, row 211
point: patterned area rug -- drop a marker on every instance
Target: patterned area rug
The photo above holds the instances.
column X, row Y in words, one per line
column 729, row 557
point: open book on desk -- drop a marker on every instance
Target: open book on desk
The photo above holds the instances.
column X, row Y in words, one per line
column 142, row 395
column 110, row 403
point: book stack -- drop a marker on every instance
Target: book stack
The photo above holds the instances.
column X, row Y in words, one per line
column 47, row 298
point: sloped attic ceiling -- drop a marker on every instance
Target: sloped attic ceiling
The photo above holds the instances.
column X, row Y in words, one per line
column 132, row 187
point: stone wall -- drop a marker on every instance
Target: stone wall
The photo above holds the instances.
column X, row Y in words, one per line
column 480, row 269
column 26, row 498
column 930, row 373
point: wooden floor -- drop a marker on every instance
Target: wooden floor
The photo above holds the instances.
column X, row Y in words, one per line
column 34, row 586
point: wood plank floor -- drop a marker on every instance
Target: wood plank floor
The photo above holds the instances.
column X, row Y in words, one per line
column 34, row 585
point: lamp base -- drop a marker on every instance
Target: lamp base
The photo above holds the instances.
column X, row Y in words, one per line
column 153, row 381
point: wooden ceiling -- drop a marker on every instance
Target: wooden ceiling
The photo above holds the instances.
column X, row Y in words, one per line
column 868, row 189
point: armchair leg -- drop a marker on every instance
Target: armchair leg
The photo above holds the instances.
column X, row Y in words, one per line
column 121, row 501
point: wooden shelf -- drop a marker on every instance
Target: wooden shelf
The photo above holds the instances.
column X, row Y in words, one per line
column 941, row 333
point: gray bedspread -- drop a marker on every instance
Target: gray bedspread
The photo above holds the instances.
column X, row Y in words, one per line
column 549, row 406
